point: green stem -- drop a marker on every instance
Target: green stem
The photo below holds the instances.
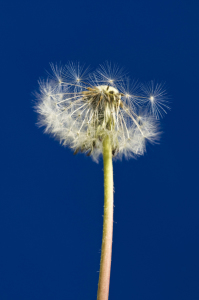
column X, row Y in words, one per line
column 106, row 250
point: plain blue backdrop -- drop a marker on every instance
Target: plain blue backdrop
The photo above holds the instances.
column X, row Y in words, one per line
column 51, row 203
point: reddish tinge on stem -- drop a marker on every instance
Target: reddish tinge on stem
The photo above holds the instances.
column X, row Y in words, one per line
column 106, row 250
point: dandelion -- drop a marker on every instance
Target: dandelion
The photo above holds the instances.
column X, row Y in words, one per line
column 100, row 113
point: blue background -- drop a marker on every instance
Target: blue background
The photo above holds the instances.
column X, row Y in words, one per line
column 51, row 203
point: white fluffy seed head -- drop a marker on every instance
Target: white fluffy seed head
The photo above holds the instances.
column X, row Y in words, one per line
column 81, row 109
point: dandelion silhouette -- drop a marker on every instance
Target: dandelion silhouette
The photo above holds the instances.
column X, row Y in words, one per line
column 101, row 113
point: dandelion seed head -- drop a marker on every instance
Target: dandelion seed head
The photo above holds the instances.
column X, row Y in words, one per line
column 80, row 109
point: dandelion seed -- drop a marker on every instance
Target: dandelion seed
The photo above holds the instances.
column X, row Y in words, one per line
column 156, row 96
